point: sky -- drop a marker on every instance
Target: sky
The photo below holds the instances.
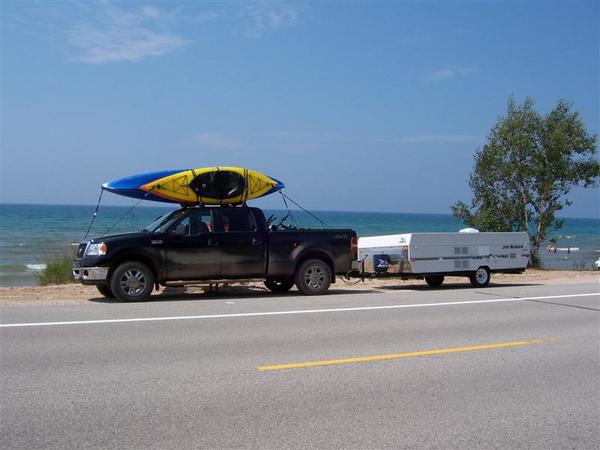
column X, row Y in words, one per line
column 355, row 106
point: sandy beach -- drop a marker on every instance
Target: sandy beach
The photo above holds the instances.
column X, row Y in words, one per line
column 77, row 293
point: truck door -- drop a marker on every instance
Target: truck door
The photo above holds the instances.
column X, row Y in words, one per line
column 243, row 246
column 191, row 253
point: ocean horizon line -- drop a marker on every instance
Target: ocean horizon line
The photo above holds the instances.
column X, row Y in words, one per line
column 165, row 206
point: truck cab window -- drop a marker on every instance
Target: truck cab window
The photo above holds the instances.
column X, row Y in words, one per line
column 194, row 224
column 238, row 221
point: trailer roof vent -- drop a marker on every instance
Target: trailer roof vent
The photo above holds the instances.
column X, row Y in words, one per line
column 469, row 230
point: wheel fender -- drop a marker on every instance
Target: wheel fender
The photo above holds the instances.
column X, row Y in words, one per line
column 302, row 254
column 136, row 256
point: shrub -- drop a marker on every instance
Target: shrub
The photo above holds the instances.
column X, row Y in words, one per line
column 57, row 271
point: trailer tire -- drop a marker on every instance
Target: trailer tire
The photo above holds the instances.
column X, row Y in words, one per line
column 313, row 277
column 434, row 282
column 481, row 277
column 132, row 281
column 279, row 285
column 104, row 289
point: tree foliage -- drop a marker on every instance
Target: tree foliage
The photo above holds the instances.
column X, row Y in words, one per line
column 523, row 174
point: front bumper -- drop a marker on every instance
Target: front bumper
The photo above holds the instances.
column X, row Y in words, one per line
column 90, row 273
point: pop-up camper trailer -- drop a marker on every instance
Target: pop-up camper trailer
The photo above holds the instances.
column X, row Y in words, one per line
column 435, row 255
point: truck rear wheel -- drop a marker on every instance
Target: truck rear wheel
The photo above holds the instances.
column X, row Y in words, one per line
column 481, row 277
column 279, row 285
column 313, row 277
column 434, row 282
column 132, row 281
column 105, row 291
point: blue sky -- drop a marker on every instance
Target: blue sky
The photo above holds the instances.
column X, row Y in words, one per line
column 360, row 106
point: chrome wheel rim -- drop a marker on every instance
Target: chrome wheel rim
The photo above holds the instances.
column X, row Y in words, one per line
column 481, row 276
column 314, row 277
column 133, row 282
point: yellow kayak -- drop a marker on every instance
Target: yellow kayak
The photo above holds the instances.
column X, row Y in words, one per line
column 213, row 186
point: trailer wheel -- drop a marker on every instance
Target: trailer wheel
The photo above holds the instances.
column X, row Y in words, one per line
column 132, row 281
column 434, row 282
column 279, row 285
column 481, row 277
column 313, row 277
column 105, row 291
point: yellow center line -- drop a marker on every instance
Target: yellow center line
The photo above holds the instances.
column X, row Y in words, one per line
column 442, row 351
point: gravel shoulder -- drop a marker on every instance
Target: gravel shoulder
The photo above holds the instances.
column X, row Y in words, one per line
column 76, row 293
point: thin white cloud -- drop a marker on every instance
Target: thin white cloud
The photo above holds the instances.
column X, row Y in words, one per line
column 446, row 73
column 284, row 134
column 151, row 11
column 115, row 35
column 202, row 17
column 219, row 141
column 429, row 138
column 264, row 16
column 433, row 139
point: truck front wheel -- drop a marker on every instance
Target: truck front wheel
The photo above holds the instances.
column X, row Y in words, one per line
column 313, row 277
column 105, row 290
column 132, row 281
column 279, row 285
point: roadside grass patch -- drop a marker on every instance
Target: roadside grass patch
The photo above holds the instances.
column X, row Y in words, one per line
column 58, row 270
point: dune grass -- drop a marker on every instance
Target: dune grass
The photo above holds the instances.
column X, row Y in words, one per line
column 58, row 271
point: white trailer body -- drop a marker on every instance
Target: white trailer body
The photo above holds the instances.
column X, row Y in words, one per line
column 431, row 255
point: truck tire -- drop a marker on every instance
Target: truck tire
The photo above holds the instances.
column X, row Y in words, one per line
column 105, row 290
column 132, row 281
column 481, row 277
column 279, row 285
column 313, row 277
column 434, row 281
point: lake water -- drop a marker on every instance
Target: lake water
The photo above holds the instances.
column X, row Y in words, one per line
column 30, row 235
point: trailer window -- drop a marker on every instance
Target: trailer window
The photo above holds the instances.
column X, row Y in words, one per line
column 461, row 263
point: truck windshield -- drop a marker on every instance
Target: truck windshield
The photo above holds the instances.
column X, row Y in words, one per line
column 163, row 223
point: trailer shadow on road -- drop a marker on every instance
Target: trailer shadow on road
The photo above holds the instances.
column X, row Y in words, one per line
column 449, row 287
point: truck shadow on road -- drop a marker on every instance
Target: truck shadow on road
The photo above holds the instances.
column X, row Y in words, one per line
column 258, row 293
column 229, row 293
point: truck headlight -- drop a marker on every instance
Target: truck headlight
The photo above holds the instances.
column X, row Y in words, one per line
column 97, row 249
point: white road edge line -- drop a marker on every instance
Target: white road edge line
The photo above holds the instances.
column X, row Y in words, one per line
column 283, row 313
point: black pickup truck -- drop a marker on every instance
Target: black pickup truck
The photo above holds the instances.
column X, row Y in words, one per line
column 200, row 245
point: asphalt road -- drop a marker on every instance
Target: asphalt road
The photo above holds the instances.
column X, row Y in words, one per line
column 513, row 367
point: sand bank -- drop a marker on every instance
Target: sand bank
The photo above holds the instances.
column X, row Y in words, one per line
column 76, row 293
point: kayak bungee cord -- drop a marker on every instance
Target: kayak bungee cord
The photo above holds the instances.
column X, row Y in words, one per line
column 288, row 210
column 221, row 190
column 246, row 186
column 127, row 213
column 192, row 189
column 95, row 214
column 304, row 209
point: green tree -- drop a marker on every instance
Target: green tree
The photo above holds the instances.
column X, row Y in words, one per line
column 523, row 174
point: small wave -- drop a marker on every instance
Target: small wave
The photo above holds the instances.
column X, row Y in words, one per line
column 12, row 268
column 35, row 267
